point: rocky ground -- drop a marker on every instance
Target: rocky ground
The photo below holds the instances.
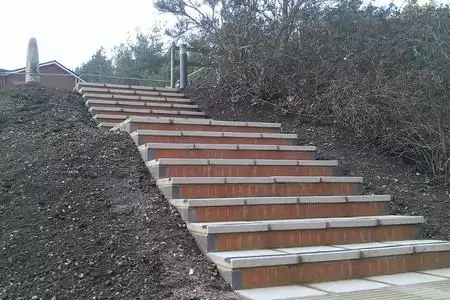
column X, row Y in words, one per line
column 414, row 193
column 80, row 217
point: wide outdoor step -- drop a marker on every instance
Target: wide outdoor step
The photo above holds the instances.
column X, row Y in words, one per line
column 121, row 116
column 117, row 104
column 152, row 151
column 192, row 167
column 134, row 98
column 152, row 123
column 268, row 234
column 221, row 187
column 212, row 137
column 288, row 266
column 277, row 208
column 129, row 92
column 124, row 87
column 133, row 90
column 144, row 112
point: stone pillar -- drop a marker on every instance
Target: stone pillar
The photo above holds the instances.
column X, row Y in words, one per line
column 32, row 66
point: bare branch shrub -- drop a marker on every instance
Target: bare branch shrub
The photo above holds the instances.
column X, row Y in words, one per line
column 381, row 73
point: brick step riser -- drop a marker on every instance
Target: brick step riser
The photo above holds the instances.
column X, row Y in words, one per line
column 226, row 154
column 247, row 278
column 240, row 171
column 141, row 114
column 282, row 211
column 92, row 85
column 110, row 120
column 125, row 101
column 305, row 238
column 122, row 106
column 167, row 95
column 193, row 127
column 231, row 190
column 142, row 139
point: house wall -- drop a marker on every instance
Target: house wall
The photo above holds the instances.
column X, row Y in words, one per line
column 64, row 81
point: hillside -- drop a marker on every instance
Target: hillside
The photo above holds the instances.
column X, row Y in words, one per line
column 80, row 217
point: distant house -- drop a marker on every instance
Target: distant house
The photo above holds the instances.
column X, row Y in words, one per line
column 52, row 75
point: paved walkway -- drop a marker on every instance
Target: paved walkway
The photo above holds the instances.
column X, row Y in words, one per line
column 432, row 285
column 430, row 290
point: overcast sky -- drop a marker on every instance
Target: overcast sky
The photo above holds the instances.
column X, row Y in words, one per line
column 71, row 31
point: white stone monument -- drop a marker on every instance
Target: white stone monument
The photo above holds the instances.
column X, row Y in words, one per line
column 32, row 66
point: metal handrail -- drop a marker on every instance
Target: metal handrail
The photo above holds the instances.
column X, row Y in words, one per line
column 40, row 74
column 196, row 71
column 177, row 84
column 124, row 77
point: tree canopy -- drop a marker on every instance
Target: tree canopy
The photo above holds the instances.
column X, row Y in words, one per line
column 141, row 57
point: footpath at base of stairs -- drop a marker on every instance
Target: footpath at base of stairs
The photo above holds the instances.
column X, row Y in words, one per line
column 430, row 285
column 277, row 222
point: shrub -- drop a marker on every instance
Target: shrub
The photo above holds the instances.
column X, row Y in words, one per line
column 381, row 73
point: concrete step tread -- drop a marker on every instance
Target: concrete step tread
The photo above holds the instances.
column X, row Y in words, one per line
column 302, row 224
column 226, row 147
column 137, row 109
column 203, row 202
column 126, row 89
column 107, row 124
column 245, row 162
column 213, row 134
column 153, row 111
column 202, row 122
column 124, row 86
column 174, row 112
column 158, row 120
column 117, row 91
column 138, row 104
column 289, row 256
column 258, row 180
column 130, row 97
column 401, row 286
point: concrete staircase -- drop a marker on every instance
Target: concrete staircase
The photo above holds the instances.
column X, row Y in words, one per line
column 278, row 223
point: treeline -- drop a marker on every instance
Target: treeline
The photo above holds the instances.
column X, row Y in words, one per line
column 143, row 60
column 142, row 57
column 382, row 73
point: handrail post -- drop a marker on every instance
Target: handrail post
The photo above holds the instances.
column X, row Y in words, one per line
column 183, row 66
column 172, row 65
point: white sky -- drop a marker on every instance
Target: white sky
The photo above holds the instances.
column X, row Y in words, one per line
column 71, row 31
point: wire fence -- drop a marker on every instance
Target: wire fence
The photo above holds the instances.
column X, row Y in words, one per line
column 156, row 82
column 40, row 74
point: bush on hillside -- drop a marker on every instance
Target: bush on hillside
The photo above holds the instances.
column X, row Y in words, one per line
column 382, row 73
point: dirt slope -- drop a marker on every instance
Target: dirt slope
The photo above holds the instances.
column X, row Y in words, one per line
column 414, row 193
column 80, row 217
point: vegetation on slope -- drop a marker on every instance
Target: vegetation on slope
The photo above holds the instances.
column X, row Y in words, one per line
column 382, row 73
